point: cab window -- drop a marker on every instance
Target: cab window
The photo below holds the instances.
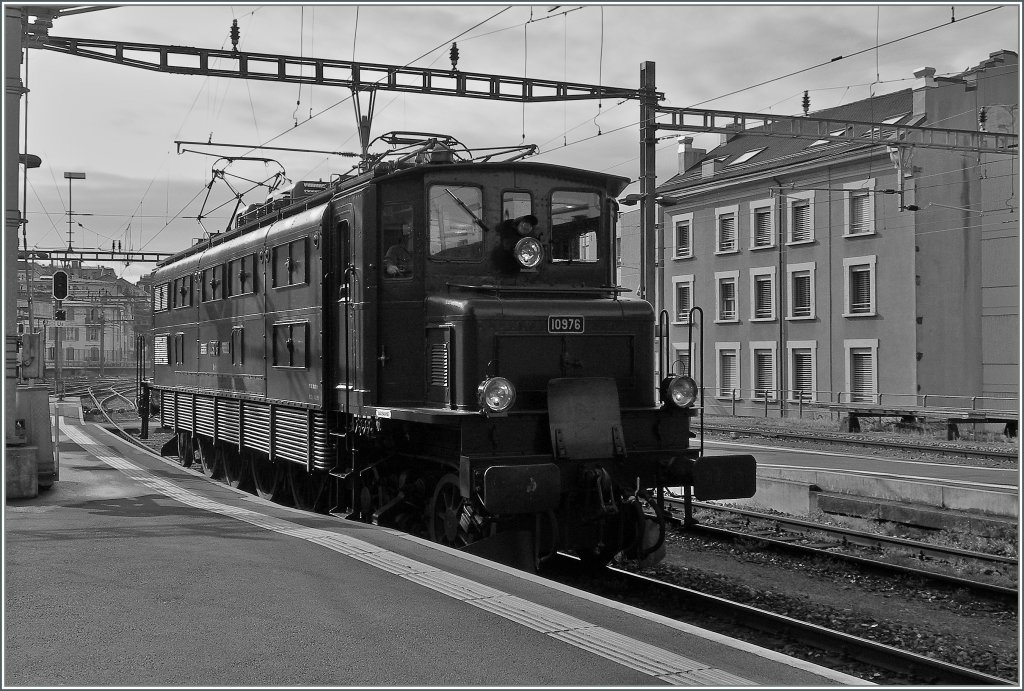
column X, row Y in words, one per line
column 575, row 221
column 397, row 238
column 456, row 214
column 516, row 204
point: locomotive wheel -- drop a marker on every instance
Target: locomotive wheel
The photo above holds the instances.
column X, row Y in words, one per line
column 207, row 458
column 237, row 466
column 307, row 488
column 186, row 455
column 443, row 519
column 268, row 479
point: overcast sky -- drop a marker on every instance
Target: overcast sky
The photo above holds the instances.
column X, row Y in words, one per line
column 119, row 124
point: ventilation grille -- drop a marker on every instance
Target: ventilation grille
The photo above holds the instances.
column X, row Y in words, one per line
column 439, row 364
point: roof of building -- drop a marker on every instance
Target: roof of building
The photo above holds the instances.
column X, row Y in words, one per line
column 749, row 152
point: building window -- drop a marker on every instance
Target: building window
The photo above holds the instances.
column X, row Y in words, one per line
column 801, row 217
column 728, row 307
column 762, row 225
column 762, row 370
column 801, row 290
column 681, row 362
column 683, row 298
column 762, row 294
column 92, row 333
column 859, row 208
column 290, row 344
column 802, row 381
column 862, row 370
column 683, row 234
column 725, row 221
column 859, row 286
column 728, row 365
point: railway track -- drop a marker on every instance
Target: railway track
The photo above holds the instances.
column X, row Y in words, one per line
column 784, row 533
column 871, row 660
column 947, row 449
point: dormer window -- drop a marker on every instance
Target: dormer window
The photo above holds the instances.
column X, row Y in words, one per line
column 743, row 158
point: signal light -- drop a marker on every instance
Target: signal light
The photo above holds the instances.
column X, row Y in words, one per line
column 60, row 285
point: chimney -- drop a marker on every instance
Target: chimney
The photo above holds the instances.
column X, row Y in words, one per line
column 925, row 80
column 734, row 129
column 688, row 156
column 710, row 167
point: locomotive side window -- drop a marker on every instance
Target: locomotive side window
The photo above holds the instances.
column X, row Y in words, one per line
column 290, row 349
column 455, row 223
column 236, row 346
column 575, row 221
column 345, row 260
column 516, row 204
column 289, row 265
column 179, row 349
column 397, row 238
column 182, row 292
column 160, row 349
column 241, row 278
column 160, row 294
column 212, row 283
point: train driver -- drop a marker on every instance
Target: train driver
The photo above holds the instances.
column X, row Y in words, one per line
column 397, row 260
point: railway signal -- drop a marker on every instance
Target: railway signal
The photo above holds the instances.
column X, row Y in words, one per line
column 60, row 285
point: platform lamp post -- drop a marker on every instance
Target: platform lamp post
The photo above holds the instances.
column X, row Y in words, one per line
column 70, row 177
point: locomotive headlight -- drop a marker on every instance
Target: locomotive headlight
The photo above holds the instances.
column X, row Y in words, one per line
column 681, row 391
column 496, row 395
column 528, row 252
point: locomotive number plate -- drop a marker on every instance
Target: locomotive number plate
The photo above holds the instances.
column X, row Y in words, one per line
column 563, row 324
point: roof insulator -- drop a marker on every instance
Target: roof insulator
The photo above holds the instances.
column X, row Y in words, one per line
column 806, row 103
column 454, row 54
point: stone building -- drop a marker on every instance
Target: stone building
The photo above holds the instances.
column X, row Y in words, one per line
column 837, row 272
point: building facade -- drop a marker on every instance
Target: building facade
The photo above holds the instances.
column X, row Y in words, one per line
column 103, row 316
column 839, row 272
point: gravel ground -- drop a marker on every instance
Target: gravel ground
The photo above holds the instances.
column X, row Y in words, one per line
column 943, row 623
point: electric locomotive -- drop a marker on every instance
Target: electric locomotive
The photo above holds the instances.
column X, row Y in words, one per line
column 438, row 345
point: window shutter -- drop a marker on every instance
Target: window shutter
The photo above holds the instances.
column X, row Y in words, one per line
column 682, row 363
column 683, row 247
column 727, row 233
column 862, row 376
column 802, row 294
column 764, row 373
column 801, row 222
column 729, row 373
column 762, row 228
column 860, row 289
column 763, row 297
column 859, row 221
column 683, row 301
column 727, row 297
column 803, row 374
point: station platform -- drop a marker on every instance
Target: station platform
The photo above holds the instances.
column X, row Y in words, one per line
column 134, row 571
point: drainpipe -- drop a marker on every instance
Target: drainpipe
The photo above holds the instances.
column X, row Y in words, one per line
column 780, row 236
